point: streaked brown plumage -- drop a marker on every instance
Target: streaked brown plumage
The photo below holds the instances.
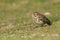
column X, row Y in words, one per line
column 40, row 19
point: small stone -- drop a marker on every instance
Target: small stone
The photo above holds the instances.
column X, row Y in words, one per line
column 48, row 13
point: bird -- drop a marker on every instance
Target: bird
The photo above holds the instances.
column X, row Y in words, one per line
column 40, row 19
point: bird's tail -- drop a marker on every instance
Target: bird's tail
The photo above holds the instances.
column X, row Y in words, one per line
column 49, row 22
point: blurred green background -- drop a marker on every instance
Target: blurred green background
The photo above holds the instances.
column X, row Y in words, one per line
column 16, row 22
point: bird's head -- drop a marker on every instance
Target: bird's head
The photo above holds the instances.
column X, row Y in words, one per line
column 36, row 13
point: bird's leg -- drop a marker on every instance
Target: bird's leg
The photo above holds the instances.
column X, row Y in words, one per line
column 42, row 25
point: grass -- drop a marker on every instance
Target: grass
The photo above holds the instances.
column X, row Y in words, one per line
column 16, row 22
